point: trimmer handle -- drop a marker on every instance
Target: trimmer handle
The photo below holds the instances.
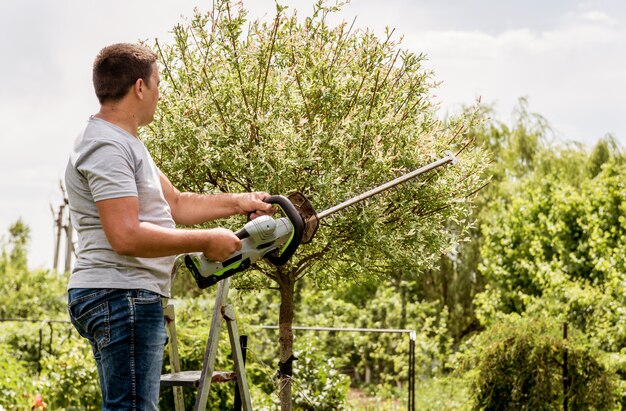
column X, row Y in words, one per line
column 298, row 229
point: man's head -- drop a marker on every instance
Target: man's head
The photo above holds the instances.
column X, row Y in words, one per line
column 118, row 67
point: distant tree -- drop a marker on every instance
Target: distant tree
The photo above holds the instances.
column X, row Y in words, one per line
column 516, row 150
column 524, row 156
column 16, row 249
column 24, row 292
column 605, row 150
column 558, row 246
column 296, row 104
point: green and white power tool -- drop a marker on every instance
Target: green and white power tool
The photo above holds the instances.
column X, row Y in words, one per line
column 264, row 237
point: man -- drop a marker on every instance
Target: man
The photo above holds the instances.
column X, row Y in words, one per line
column 124, row 211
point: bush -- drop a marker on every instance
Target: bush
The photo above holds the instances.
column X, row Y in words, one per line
column 24, row 293
column 518, row 365
column 318, row 385
column 69, row 379
column 22, row 339
column 16, row 383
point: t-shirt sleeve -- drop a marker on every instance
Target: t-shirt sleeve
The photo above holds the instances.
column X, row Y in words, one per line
column 109, row 170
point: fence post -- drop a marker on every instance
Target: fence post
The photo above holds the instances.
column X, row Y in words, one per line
column 41, row 326
column 565, row 374
column 412, row 337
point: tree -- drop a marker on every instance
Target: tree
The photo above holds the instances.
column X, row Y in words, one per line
column 557, row 247
column 328, row 111
column 516, row 149
column 26, row 293
column 19, row 235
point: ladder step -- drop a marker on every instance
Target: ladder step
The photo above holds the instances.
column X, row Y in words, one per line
column 192, row 378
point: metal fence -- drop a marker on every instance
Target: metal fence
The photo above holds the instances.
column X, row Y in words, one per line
column 42, row 325
column 411, row 358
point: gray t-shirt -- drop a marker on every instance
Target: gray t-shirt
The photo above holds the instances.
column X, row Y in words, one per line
column 107, row 162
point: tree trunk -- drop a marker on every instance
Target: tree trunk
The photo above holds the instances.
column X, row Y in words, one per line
column 285, row 336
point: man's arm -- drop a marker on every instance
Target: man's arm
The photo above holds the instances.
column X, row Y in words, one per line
column 128, row 236
column 191, row 208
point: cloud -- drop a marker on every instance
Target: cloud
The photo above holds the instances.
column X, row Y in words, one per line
column 572, row 73
column 594, row 17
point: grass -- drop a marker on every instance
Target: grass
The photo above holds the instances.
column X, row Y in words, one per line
column 436, row 394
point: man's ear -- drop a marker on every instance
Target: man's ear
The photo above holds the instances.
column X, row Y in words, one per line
column 139, row 87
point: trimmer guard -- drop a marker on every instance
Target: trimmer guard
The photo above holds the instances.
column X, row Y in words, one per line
column 308, row 214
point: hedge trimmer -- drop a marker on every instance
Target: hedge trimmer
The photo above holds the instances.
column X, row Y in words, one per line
column 276, row 239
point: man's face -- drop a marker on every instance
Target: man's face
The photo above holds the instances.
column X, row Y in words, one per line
column 151, row 94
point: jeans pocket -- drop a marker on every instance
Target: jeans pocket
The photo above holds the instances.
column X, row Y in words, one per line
column 147, row 297
column 90, row 316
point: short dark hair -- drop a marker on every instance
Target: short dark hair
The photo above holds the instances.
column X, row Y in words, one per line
column 118, row 67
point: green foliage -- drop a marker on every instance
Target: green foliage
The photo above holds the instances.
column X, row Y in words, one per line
column 515, row 150
column 375, row 361
column 561, row 246
column 443, row 393
column 605, row 150
column 32, row 294
column 320, row 385
column 518, row 364
column 39, row 357
column 19, row 234
column 24, row 340
column 24, row 293
column 16, row 381
column 69, row 379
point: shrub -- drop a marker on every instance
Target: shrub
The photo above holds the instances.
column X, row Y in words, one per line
column 16, row 384
column 69, row 379
column 24, row 293
column 518, row 364
column 317, row 382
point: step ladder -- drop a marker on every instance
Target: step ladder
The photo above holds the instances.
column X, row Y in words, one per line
column 201, row 380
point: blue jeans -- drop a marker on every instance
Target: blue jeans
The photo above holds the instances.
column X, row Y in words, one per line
column 126, row 331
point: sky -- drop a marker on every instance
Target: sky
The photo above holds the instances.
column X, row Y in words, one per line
column 566, row 57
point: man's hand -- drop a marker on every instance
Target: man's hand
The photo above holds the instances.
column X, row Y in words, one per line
column 223, row 243
column 252, row 204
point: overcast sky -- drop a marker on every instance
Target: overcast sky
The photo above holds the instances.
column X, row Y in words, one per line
column 568, row 57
